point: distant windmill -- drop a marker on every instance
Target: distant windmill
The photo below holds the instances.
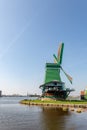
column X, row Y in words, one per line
column 53, row 87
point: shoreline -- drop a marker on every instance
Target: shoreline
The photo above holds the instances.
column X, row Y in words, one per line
column 71, row 104
column 67, row 105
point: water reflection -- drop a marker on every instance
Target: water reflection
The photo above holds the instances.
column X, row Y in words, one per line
column 54, row 118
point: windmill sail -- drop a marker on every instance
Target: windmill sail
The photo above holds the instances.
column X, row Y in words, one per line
column 60, row 53
column 68, row 76
column 58, row 60
column 55, row 59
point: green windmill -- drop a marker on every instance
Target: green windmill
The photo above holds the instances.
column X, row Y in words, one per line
column 53, row 87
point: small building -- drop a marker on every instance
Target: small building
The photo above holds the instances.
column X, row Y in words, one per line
column 83, row 94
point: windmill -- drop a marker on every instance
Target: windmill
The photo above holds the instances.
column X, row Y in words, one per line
column 53, row 87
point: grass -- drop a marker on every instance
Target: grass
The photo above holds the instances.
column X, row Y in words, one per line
column 72, row 102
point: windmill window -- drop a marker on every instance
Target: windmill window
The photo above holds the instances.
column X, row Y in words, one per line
column 55, row 83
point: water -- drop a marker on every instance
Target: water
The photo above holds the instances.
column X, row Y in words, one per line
column 14, row 116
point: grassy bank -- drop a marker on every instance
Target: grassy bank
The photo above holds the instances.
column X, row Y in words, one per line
column 68, row 103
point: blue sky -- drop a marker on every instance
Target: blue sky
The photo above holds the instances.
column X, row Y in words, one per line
column 30, row 32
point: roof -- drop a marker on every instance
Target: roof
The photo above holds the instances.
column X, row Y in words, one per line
column 54, row 81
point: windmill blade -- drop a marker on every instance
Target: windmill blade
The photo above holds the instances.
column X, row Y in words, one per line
column 60, row 53
column 55, row 58
column 68, row 76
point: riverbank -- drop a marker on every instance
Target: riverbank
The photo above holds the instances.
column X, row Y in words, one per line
column 66, row 103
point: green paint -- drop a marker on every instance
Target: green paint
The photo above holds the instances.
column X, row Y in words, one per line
column 52, row 72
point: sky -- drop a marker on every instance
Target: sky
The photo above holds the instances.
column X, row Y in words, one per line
column 30, row 32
